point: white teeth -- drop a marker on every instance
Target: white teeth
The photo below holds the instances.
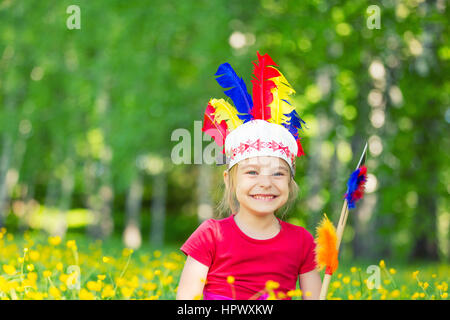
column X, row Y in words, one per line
column 263, row 197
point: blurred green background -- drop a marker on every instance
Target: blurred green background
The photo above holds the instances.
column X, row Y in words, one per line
column 87, row 115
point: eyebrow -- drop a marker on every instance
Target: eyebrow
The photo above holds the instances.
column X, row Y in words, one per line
column 255, row 166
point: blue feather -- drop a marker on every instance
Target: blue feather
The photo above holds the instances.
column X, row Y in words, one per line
column 237, row 90
column 294, row 123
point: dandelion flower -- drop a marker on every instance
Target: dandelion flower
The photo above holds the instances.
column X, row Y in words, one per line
column 230, row 279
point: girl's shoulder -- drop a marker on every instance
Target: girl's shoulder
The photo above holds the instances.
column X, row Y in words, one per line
column 215, row 224
column 296, row 230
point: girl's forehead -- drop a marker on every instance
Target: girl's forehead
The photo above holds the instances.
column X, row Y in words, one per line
column 263, row 162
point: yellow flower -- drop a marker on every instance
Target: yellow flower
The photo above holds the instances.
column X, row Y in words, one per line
column 127, row 252
column 395, row 293
column 392, row 271
column 94, row 285
column 356, row 283
column 414, row 274
column 346, row 280
column 382, row 264
column 444, row 295
column 54, row 241
column 9, row 270
column 127, row 292
column 167, row 280
column 415, row 295
column 271, row 285
column 71, row 244
column 336, row 284
column 59, row 266
column 425, row 285
column 34, row 255
column 106, row 259
column 101, row 277
column 281, row 295
column 120, row 282
column 157, row 272
column 32, row 276
column 20, row 259
column 47, row 273
column 386, row 281
column 422, row 295
column 30, row 267
column 353, row 269
column 230, row 279
column 63, row 277
column 149, row 286
column 108, row 291
column 54, row 292
column 157, row 254
column 86, row 295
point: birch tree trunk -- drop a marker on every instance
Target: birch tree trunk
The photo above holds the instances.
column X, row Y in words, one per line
column 158, row 208
column 132, row 235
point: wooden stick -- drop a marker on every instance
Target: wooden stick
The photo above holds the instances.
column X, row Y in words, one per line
column 339, row 234
column 325, row 284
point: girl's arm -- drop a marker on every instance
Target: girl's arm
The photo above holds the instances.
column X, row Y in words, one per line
column 192, row 279
column 310, row 282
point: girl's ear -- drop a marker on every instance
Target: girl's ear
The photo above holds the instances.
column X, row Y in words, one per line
column 225, row 178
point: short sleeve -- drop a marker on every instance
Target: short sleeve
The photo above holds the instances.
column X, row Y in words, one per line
column 309, row 256
column 201, row 244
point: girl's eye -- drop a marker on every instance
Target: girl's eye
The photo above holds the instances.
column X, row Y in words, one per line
column 250, row 172
column 279, row 174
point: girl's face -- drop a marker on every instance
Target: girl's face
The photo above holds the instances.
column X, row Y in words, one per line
column 262, row 184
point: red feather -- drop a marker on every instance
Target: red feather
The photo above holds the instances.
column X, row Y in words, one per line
column 262, row 97
column 218, row 131
column 300, row 151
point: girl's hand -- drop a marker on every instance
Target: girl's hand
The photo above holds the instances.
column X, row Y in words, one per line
column 192, row 280
column 310, row 282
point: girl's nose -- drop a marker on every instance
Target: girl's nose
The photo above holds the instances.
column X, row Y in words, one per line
column 265, row 179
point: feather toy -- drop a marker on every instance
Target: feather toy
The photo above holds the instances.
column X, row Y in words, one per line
column 355, row 186
column 326, row 250
column 355, row 192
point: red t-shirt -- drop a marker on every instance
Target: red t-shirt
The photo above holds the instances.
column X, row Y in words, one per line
column 228, row 251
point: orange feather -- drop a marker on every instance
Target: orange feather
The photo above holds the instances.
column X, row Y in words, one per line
column 326, row 251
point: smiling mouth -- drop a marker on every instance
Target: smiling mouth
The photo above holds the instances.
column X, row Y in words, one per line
column 263, row 197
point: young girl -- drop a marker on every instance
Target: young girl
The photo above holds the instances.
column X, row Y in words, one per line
column 252, row 252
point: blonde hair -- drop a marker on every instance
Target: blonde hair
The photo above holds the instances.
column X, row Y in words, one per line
column 229, row 203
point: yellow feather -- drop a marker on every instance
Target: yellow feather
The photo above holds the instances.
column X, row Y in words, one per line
column 225, row 111
column 279, row 107
column 326, row 240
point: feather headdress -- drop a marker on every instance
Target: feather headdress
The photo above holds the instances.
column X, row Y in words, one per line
column 270, row 102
